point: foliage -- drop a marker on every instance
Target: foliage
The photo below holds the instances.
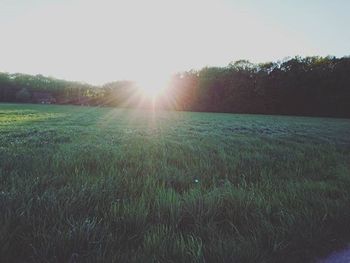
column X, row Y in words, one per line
column 312, row 86
column 23, row 95
column 91, row 184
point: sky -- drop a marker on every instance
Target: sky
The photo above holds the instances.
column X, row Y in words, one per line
column 104, row 40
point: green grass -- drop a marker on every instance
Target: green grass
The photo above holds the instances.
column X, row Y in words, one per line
column 81, row 184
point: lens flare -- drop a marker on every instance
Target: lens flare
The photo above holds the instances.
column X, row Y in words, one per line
column 152, row 87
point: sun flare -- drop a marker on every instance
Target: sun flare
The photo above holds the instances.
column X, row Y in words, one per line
column 152, row 87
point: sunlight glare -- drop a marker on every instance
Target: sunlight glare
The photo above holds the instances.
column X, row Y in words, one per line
column 152, row 86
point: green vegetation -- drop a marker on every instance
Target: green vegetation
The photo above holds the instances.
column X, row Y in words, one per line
column 310, row 86
column 88, row 184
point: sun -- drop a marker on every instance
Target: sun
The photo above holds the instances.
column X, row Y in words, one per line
column 152, row 87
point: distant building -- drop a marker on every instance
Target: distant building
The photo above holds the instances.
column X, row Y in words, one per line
column 43, row 98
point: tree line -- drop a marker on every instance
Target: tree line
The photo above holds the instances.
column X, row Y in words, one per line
column 311, row 86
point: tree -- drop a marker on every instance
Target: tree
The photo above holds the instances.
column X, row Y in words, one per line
column 23, row 95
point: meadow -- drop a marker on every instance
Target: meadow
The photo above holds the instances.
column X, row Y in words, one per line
column 90, row 184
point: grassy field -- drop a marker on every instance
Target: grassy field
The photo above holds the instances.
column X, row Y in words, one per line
column 85, row 184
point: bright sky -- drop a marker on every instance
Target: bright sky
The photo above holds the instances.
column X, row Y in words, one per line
column 104, row 40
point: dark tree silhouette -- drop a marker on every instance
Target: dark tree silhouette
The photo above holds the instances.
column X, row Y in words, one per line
column 313, row 86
